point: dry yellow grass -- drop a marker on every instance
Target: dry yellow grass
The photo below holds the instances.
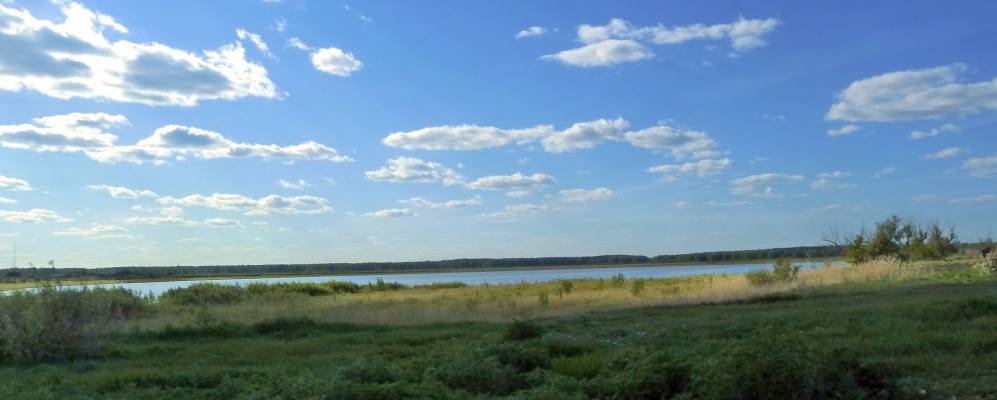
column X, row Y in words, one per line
column 506, row 302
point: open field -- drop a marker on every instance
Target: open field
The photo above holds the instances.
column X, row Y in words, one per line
column 914, row 331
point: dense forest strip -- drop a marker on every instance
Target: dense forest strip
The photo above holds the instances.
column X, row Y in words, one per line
column 179, row 271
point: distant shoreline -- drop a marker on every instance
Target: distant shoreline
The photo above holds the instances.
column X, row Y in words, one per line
column 185, row 278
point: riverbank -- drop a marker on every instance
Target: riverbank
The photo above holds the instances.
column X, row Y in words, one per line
column 907, row 331
column 187, row 278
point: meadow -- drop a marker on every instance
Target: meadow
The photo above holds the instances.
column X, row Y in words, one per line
column 882, row 329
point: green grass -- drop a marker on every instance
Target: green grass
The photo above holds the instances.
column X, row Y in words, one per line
column 936, row 333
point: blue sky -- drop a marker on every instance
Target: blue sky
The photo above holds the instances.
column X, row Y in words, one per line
column 191, row 132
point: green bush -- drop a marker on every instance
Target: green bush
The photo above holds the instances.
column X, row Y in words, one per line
column 381, row 286
column 782, row 271
column 371, row 371
column 204, row 293
column 775, row 366
column 637, row 287
column 520, row 357
column 53, row 324
column 617, row 279
column 474, row 373
column 288, row 327
column 523, row 330
column 641, row 374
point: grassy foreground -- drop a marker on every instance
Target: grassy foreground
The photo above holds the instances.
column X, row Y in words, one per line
column 872, row 331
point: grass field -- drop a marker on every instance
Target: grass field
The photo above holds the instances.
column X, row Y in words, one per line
column 923, row 331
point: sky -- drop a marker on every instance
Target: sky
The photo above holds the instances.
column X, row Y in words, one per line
column 292, row 131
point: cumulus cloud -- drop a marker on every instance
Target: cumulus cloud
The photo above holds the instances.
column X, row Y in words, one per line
column 4, row 200
column 586, row 195
column 330, row 60
column 96, row 231
column 85, row 133
column 516, row 181
column 119, row 192
column 701, row 168
column 532, row 31
column 294, row 185
column 679, row 142
column 514, row 211
column 830, row 180
column 914, row 94
column 256, row 40
column 884, row 172
column 619, row 41
column 408, row 169
column 947, row 128
column 272, row 204
column 391, row 213
column 518, row 193
column 844, row 130
column 984, row 167
column 173, row 215
column 34, row 215
column 760, row 185
column 945, row 153
column 81, row 57
column 584, row 135
column 420, row 202
column 602, row 54
column 464, row 137
column 14, row 184
column 983, row 198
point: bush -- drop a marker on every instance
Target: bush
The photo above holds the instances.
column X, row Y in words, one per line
column 374, row 371
column 617, row 279
column 782, row 271
column 204, row 293
column 520, row 357
column 523, row 330
column 53, row 324
column 637, row 287
column 639, row 375
column 477, row 374
column 775, row 366
column 288, row 327
column 380, row 286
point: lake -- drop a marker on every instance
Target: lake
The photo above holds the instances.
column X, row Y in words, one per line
column 468, row 277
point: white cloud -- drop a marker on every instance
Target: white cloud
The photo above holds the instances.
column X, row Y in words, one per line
column 844, row 130
column 983, row 198
column 330, row 60
column 14, row 184
column 945, row 153
column 884, row 172
column 679, row 142
column 294, row 185
column 514, row 211
column 272, row 204
column 947, row 128
column 518, row 193
column 701, row 168
column 602, row 54
column 79, row 132
column 119, row 192
column 391, row 213
column 279, row 25
column 256, row 39
column 532, row 31
column 984, row 167
column 584, row 135
column 222, row 223
column 586, row 195
column 914, row 94
column 760, row 185
column 75, row 58
column 424, row 203
column 96, row 231
column 33, row 215
column 167, row 216
column 464, row 137
column 516, row 181
column 618, row 41
column 298, row 44
column 829, row 180
column 408, row 169
column 4, row 200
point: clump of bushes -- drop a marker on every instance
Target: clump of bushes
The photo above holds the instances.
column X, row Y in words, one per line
column 905, row 240
column 381, row 286
column 204, row 293
column 639, row 375
column 777, row 366
column 617, row 279
column 54, row 324
column 523, row 330
column 782, row 271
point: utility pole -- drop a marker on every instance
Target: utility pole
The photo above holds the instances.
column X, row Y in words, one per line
column 13, row 263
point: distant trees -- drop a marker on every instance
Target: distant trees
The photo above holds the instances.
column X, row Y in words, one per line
column 905, row 240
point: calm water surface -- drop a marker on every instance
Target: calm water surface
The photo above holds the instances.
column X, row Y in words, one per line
column 469, row 277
